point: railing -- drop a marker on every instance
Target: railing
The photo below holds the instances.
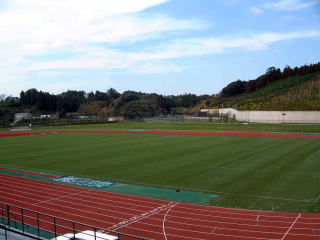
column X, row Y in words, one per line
column 41, row 226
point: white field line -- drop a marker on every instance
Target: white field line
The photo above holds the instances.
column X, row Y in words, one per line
column 291, row 226
column 311, row 156
column 164, row 220
column 137, row 218
column 59, row 198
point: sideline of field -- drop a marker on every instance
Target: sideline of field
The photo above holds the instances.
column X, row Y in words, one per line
column 192, row 126
column 173, row 132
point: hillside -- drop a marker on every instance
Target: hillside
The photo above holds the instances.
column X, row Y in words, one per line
column 300, row 92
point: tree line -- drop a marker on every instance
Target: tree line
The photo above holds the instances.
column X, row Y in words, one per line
column 110, row 103
column 131, row 103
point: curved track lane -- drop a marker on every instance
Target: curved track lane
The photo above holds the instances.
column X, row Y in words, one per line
column 152, row 218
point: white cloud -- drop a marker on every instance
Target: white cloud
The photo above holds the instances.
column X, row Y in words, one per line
column 156, row 68
column 149, row 59
column 76, row 84
column 69, row 31
column 213, row 45
column 291, row 5
column 255, row 10
column 38, row 27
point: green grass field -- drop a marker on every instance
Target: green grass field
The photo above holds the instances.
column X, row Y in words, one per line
column 195, row 126
column 252, row 173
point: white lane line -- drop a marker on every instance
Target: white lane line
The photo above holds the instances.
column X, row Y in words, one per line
column 291, row 226
column 164, row 219
column 64, row 196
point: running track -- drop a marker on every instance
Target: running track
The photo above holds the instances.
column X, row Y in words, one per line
column 164, row 132
column 154, row 219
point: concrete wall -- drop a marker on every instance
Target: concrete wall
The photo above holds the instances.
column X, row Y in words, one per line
column 306, row 117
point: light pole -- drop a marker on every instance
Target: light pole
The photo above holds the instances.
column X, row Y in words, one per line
column 283, row 114
column 222, row 113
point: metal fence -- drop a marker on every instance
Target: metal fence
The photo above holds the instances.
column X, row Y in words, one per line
column 178, row 119
column 36, row 225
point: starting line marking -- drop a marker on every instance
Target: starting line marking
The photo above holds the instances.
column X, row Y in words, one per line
column 137, row 218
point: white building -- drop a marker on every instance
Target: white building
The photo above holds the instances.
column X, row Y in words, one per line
column 20, row 116
column 209, row 111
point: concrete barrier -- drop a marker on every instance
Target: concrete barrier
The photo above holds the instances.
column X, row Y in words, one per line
column 300, row 117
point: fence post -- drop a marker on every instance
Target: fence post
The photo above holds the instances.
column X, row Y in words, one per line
column 55, row 227
column 22, row 219
column 95, row 233
column 38, row 225
column 6, row 232
column 2, row 216
column 74, row 230
column 8, row 215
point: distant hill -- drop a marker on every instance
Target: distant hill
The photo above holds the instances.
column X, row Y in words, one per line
column 291, row 89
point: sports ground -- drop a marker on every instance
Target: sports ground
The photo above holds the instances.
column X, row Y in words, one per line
column 277, row 172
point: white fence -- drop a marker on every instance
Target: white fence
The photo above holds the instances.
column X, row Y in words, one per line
column 305, row 117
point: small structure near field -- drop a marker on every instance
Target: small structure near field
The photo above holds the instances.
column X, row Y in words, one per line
column 45, row 116
column 209, row 111
column 115, row 119
column 20, row 116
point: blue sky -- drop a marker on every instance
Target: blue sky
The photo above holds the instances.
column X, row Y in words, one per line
column 162, row 46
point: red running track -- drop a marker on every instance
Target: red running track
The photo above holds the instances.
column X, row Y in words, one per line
column 163, row 132
column 152, row 218
column 29, row 173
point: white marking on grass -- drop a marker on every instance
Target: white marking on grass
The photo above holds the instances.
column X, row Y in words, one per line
column 164, row 219
column 291, row 226
column 312, row 156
